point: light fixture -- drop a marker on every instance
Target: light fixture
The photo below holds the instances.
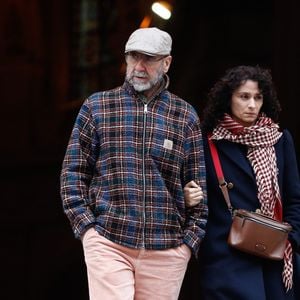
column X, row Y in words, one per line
column 162, row 9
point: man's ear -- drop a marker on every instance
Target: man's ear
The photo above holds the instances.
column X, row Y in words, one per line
column 166, row 63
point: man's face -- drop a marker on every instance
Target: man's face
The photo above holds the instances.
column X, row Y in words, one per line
column 144, row 71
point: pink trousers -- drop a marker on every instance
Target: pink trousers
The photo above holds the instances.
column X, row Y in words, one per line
column 116, row 272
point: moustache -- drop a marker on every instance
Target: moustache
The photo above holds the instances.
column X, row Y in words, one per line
column 139, row 74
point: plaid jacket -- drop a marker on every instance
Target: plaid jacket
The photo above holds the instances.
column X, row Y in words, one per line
column 125, row 167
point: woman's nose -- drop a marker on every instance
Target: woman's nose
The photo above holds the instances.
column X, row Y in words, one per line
column 251, row 102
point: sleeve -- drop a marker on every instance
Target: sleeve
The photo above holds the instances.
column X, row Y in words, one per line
column 195, row 170
column 77, row 172
column 291, row 190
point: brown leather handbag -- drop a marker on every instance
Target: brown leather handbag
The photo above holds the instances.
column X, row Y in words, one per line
column 258, row 234
column 252, row 232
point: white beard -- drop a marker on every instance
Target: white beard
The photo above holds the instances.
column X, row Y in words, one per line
column 140, row 86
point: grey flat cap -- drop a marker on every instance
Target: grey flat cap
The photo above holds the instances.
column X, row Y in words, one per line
column 151, row 41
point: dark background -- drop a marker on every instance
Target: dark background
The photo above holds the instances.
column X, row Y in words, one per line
column 55, row 53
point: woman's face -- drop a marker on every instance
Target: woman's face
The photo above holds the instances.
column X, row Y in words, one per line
column 246, row 102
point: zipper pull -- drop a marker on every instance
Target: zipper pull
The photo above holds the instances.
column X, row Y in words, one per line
column 145, row 108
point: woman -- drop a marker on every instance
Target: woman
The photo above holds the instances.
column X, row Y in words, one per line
column 259, row 162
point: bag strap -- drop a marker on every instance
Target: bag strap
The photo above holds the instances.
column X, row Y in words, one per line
column 222, row 182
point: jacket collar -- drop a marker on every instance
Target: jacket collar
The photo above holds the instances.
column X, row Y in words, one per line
column 160, row 86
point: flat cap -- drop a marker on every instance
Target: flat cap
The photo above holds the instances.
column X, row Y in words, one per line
column 150, row 41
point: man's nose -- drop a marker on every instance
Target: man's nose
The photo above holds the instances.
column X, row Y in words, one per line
column 140, row 64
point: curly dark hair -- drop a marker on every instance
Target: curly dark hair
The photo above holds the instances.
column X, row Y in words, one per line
column 219, row 97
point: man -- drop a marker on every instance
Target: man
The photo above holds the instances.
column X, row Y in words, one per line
column 131, row 151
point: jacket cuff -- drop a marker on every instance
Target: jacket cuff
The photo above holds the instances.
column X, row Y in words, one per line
column 82, row 223
column 192, row 240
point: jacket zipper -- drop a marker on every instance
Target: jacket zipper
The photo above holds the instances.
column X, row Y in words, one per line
column 144, row 173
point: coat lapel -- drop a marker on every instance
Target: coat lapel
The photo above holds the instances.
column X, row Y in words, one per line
column 235, row 153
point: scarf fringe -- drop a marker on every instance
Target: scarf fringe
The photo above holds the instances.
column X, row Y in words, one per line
column 287, row 273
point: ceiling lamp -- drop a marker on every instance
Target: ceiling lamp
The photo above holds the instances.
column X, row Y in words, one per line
column 162, row 9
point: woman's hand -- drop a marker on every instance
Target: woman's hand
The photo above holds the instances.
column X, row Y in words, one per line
column 193, row 194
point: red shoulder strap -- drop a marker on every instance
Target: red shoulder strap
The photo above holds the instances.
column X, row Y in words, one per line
column 219, row 172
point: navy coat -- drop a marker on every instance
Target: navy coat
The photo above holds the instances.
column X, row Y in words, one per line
column 226, row 273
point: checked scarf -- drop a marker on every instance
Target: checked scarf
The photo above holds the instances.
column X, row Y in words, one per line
column 260, row 139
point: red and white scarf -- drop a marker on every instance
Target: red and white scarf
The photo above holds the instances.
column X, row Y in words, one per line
column 260, row 139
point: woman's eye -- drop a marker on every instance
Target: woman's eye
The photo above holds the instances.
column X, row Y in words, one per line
column 244, row 96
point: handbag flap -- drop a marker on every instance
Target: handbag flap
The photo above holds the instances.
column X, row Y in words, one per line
column 259, row 217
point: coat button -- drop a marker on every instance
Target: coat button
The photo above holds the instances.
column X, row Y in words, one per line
column 230, row 185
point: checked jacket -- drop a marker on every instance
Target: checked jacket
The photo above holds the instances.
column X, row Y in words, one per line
column 125, row 167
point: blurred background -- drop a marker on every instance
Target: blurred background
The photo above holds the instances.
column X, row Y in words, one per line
column 53, row 54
